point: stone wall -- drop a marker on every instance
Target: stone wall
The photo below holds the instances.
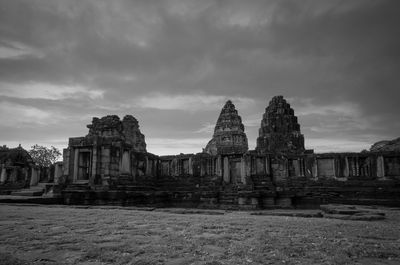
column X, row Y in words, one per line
column 256, row 181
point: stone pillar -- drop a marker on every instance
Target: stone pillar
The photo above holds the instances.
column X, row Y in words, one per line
column 357, row 168
column 226, row 170
column 94, row 162
column 3, row 176
column 346, row 172
column 174, row 167
column 48, row 173
column 34, row 177
column 190, row 166
column 315, row 168
column 201, row 164
column 148, row 168
column 243, row 170
column 253, row 165
column 219, row 167
column 26, row 175
column 66, row 162
column 105, row 161
column 380, row 167
column 334, row 167
column 57, row 171
column 267, row 166
column 76, row 161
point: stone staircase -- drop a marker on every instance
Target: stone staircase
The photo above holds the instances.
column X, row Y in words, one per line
column 8, row 188
column 262, row 183
column 38, row 190
column 228, row 198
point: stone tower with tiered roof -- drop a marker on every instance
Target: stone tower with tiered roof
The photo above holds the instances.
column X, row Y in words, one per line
column 229, row 136
column 280, row 130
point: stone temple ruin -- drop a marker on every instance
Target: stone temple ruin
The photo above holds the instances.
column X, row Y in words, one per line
column 229, row 136
column 110, row 165
column 280, row 131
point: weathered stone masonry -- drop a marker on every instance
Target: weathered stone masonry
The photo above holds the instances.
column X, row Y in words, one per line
column 111, row 166
column 18, row 171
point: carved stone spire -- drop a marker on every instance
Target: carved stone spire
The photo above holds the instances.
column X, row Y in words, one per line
column 229, row 136
column 280, row 131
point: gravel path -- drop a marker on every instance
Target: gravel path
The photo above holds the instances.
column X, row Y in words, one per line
column 37, row 234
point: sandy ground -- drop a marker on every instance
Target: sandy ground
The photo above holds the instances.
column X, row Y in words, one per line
column 37, row 234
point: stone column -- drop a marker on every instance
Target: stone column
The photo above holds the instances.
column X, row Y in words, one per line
column 105, row 165
column 267, row 166
column 243, row 170
column 26, row 174
column 57, row 174
column 48, row 173
column 346, row 172
column 219, row 168
column 253, row 166
column 66, row 162
column 3, row 176
column 94, row 162
column 226, row 170
column 76, row 161
column 190, row 166
column 334, row 167
column 148, row 168
column 105, row 161
column 357, row 167
column 34, row 177
column 174, row 167
column 315, row 168
column 380, row 167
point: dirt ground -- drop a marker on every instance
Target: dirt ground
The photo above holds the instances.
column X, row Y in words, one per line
column 38, row 234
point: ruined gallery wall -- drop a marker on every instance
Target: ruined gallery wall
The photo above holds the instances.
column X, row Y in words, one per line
column 313, row 167
column 113, row 161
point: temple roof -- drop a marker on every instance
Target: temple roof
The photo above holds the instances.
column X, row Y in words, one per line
column 280, row 130
column 229, row 136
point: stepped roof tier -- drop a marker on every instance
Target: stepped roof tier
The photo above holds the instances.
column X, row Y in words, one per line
column 229, row 136
column 386, row 146
column 280, row 130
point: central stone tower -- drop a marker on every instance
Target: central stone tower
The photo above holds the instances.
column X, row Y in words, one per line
column 111, row 127
column 280, row 130
column 229, row 136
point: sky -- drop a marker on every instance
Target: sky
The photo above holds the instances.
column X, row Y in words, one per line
column 173, row 65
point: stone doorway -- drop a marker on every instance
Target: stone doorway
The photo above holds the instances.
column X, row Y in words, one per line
column 235, row 169
column 83, row 166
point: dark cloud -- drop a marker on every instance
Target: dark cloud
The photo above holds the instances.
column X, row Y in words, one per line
column 322, row 55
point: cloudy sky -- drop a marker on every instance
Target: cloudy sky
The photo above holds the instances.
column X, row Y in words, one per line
column 173, row 64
